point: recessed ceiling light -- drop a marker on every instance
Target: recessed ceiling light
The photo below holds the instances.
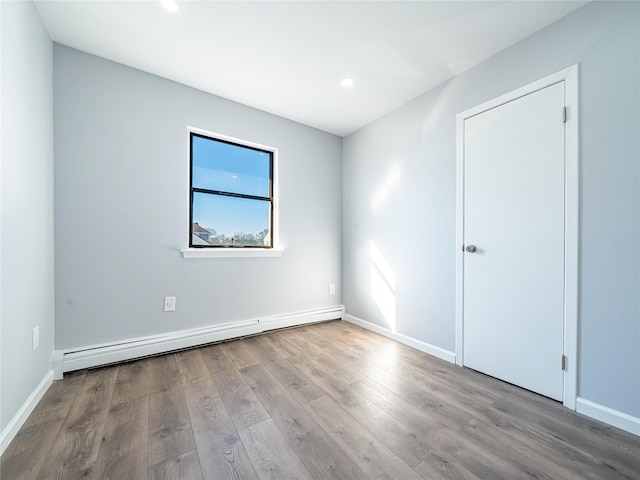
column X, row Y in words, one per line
column 347, row 82
column 171, row 5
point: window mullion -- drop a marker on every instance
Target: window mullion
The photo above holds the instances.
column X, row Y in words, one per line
column 231, row 194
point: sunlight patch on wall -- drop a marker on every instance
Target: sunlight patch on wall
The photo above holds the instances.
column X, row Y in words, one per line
column 382, row 193
column 383, row 286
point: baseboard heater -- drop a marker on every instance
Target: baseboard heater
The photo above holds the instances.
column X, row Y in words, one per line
column 73, row 359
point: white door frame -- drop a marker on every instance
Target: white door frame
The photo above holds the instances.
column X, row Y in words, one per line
column 571, row 210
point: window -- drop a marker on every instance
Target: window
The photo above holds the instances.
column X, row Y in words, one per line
column 232, row 193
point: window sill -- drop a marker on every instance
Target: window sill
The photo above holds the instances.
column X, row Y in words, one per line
column 229, row 252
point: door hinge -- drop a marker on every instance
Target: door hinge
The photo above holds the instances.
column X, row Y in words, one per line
column 564, row 362
column 564, row 114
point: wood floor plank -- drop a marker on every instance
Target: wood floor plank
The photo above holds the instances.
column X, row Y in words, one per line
column 546, row 443
column 301, row 342
column 75, row 450
column 373, row 458
column 300, row 387
column 421, row 398
column 321, row 455
column 191, row 366
column 439, row 468
column 28, row 450
column 453, row 456
column 397, row 407
column 467, row 404
column 474, row 395
column 523, row 458
column 472, row 402
column 446, row 378
column 342, row 370
column 26, row 453
column 317, row 373
column 133, row 381
column 312, row 349
column 163, row 373
column 315, row 333
column 395, row 435
column 123, row 450
column 57, row 401
column 384, row 354
column 271, row 454
column 449, row 374
column 361, row 350
column 240, row 353
column 348, row 354
column 262, row 349
column 182, row 467
column 358, row 336
column 457, row 404
column 221, row 452
column 243, row 406
column 532, row 405
column 170, row 432
column 281, row 345
column 578, row 446
column 215, row 358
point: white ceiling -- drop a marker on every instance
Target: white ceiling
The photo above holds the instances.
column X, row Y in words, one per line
column 289, row 57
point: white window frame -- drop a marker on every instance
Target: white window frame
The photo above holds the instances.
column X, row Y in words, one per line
column 275, row 251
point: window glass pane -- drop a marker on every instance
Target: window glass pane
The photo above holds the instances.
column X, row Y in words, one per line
column 230, row 168
column 222, row 220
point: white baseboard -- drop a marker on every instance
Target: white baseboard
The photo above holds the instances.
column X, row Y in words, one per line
column 103, row 354
column 12, row 428
column 608, row 415
column 412, row 342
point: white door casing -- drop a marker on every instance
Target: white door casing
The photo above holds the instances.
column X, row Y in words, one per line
column 533, row 242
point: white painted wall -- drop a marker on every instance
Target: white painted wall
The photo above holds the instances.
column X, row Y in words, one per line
column 26, row 261
column 399, row 195
column 122, row 206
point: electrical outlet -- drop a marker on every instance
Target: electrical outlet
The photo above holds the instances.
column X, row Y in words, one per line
column 169, row 304
column 35, row 337
column 332, row 289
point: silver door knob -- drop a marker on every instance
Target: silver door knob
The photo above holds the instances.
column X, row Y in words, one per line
column 470, row 248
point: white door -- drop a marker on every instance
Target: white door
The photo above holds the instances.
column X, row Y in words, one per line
column 514, row 214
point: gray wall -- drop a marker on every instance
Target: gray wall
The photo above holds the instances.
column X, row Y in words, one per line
column 122, row 206
column 414, row 228
column 26, row 260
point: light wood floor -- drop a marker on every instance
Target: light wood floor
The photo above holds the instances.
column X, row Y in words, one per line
column 328, row 401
